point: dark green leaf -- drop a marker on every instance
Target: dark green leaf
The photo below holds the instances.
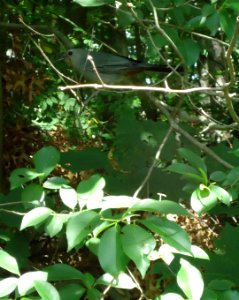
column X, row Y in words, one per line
column 79, row 226
column 60, row 272
column 46, row 159
column 138, row 244
column 22, row 175
column 163, row 207
column 171, row 233
column 110, row 253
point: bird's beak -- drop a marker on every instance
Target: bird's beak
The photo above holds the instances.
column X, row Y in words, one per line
column 62, row 57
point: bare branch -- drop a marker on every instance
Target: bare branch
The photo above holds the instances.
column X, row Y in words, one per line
column 143, row 88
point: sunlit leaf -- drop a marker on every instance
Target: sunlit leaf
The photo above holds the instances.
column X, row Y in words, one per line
column 35, row 217
column 190, row 280
column 8, row 262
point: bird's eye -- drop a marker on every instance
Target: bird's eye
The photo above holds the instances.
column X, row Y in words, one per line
column 69, row 52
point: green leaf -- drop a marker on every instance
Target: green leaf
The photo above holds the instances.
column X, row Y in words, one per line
column 54, row 226
column 79, row 226
column 68, row 196
column 138, row 244
column 35, row 217
column 86, row 159
column 22, row 175
column 46, row 159
column 186, row 171
column 8, row 262
column 7, row 286
column 227, row 22
column 199, row 253
column 60, row 272
column 110, row 253
column 171, row 296
column 190, row 51
column 203, row 199
column 190, row 280
column 232, row 177
column 88, row 3
column 76, row 291
column 46, row 290
column 33, row 195
column 218, row 176
column 220, row 284
column 122, row 281
column 171, row 233
column 55, row 183
column 163, row 207
column 117, row 202
column 222, row 195
column 93, row 245
column 193, row 159
column 26, row 281
column 93, row 294
column 90, row 192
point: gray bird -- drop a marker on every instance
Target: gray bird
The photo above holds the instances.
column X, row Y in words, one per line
column 112, row 69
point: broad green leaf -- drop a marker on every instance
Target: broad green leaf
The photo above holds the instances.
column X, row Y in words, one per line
column 218, row 176
column 68, row 196
column 22, row 175
column 199, row 253
column 93, row 294
column 76, row 291
column 46, row 290
column 110, row 253
column 88, row 3
column 124, row 17
column 35, row 217
column 209, row 294
column 60, row 272
column 189, row 50
column 86, row 159
column 163, row 207
column 221, row 284
column 54, row 226
column 122, row 281
column 79, row 226
column 138, row 244
column 90, row 192
column 8, row 262
column 190, row 280
column 171, row 233
column 227, row 23
column 232, row 177
column 26, row 281
column 203, row 199
column 117, row 202
column 46, row 159
column 213, row 23
column 171, row 296
column 55, row 183
column 195, row 160
column 186, row 171
column 33, row 195
column 7, row 286
column 222, row 195
column 93, row 245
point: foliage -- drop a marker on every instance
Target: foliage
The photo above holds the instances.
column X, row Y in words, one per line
column 104, row 182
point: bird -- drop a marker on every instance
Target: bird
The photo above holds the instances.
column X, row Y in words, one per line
column 107, row 68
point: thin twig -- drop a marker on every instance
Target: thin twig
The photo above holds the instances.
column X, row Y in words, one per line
column 164, row 34
column 156, row 158
column 231, row 70
column 190, row 138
